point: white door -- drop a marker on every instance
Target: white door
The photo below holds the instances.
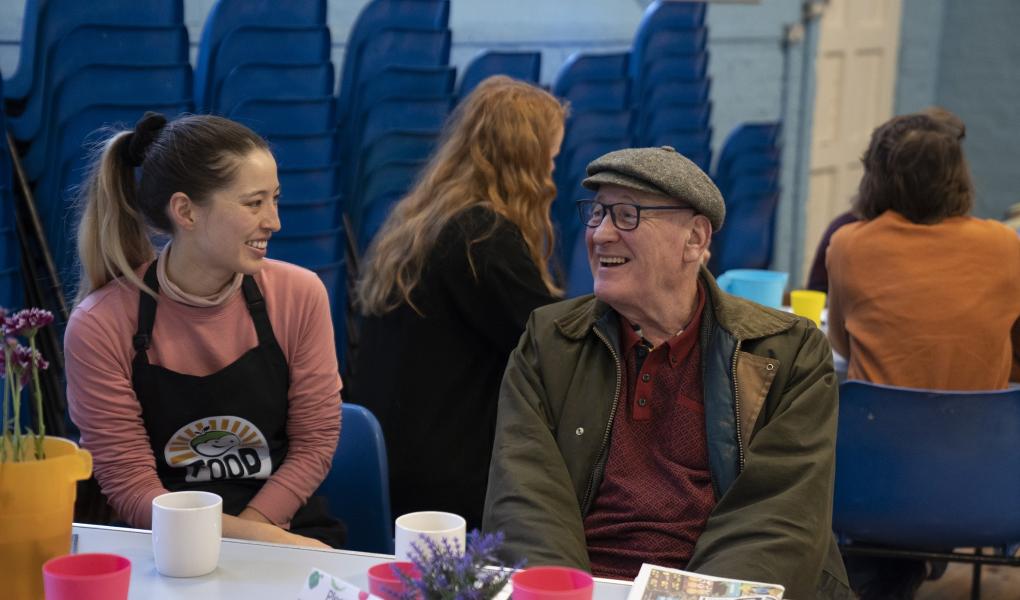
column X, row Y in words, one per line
column 855, row 83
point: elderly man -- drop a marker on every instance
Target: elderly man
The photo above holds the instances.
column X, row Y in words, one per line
column 663, row 420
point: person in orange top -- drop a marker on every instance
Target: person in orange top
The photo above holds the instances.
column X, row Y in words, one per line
column 920, row 293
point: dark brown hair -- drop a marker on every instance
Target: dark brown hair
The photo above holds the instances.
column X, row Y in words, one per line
column 915, row 166
column 194, row 154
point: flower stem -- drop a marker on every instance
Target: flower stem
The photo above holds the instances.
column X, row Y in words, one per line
column 40, row 428
column 8, row 393
column 16, row 399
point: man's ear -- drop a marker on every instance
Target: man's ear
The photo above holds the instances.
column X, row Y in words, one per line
column 699, row 239
column 181, row 211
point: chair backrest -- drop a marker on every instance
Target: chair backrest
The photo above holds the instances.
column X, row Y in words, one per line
column 269, row 80
column 927, row 469
column 580, row 67
column 49, row 20
column 525, row 66
column 226, row 15
column 387, row 14
column 358, row 486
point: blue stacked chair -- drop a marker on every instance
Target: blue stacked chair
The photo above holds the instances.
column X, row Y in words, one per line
column 85, row 67
column 526, row 66
column 669, row 80
column 10, row 258
column 747, row 174
column 395, row 93
column 601, row 120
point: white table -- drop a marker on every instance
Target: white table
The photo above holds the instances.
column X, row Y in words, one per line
column 250, row 570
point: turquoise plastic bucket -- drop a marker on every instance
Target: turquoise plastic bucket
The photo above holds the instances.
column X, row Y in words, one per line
column 757, row 285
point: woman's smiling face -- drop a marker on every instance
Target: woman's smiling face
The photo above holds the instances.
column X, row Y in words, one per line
column 238, row 220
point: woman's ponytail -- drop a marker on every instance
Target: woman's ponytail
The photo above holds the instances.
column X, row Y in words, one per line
column 112, row 237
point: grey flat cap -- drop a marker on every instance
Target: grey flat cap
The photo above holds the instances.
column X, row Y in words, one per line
column 662, row 171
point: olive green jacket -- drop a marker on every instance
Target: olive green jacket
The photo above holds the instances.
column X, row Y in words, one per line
column 770, row 399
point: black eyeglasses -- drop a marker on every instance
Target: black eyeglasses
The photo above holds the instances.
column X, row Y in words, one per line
column 625, row 216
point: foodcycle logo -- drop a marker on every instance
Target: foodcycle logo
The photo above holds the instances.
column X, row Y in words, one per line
column 215, row 448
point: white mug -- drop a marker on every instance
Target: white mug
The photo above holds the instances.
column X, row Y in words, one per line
column 431, row 524
column 186, row 533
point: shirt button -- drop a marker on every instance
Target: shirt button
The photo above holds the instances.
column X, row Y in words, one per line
column 642, row 402
column 579, row 431
column 646, row 378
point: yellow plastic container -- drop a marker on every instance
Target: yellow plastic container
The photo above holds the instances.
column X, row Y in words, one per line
column 36, row 508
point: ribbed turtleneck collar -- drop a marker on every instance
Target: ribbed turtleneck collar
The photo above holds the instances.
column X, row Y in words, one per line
column 175, row 293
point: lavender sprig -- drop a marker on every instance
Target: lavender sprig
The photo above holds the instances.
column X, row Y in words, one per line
column 446, row 573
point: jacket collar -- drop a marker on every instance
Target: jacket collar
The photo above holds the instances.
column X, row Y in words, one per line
column 743, row 319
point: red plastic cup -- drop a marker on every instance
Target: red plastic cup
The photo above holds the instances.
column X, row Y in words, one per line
column 383, row 581
column 87, row 577
column 552, row 583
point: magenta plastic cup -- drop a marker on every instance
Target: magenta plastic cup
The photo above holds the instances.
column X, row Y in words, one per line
column 384, row 583
column 87, row 577
column 552, row 583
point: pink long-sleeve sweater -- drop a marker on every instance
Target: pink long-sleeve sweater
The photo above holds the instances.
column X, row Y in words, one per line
column 200, row 341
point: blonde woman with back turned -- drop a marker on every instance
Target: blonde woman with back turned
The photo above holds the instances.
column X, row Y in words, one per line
column 205, row 366
column 446, row 290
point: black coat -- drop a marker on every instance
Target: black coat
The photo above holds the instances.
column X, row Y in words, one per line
column 433, row 380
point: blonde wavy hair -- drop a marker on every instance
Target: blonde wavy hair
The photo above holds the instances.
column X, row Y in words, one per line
column 494, row 152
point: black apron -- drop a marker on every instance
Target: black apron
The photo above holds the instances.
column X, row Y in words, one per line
column 225, row 432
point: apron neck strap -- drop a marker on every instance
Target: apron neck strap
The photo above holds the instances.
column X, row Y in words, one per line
column 142, row 339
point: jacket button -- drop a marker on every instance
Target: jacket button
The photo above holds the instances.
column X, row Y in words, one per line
column 769, row 367
column 642, row 401
column 646, row 378
column 579, row 431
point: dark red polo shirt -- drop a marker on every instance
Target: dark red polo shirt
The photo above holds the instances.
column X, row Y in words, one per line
column 656, row 495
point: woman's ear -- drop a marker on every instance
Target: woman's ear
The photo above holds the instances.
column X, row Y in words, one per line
column 182, row 211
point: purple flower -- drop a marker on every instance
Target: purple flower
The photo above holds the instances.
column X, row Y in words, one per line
column 446, row 572
column 24, row 359
column 27, row 322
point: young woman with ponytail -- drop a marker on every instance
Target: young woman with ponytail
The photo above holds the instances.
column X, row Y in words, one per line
column 201, row 365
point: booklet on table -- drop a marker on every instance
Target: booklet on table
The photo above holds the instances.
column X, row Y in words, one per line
column 662, row 583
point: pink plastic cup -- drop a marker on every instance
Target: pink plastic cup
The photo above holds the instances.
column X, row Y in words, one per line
column 383, row 582
column 552, row 583
column 87, row 577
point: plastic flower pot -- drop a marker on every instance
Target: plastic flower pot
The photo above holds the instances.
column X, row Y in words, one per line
column 36, row 508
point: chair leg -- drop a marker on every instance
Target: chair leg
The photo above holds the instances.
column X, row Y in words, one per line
column 975, row 583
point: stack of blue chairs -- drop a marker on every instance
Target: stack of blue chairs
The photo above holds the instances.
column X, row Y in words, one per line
column 86, row 66
column 395, row 93
column 526, row 66
column 601, row 120
column 669, row 80
column 10, row 257
column 747, row 174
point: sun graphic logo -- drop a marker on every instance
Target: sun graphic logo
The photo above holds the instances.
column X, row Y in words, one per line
column 223, row 447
